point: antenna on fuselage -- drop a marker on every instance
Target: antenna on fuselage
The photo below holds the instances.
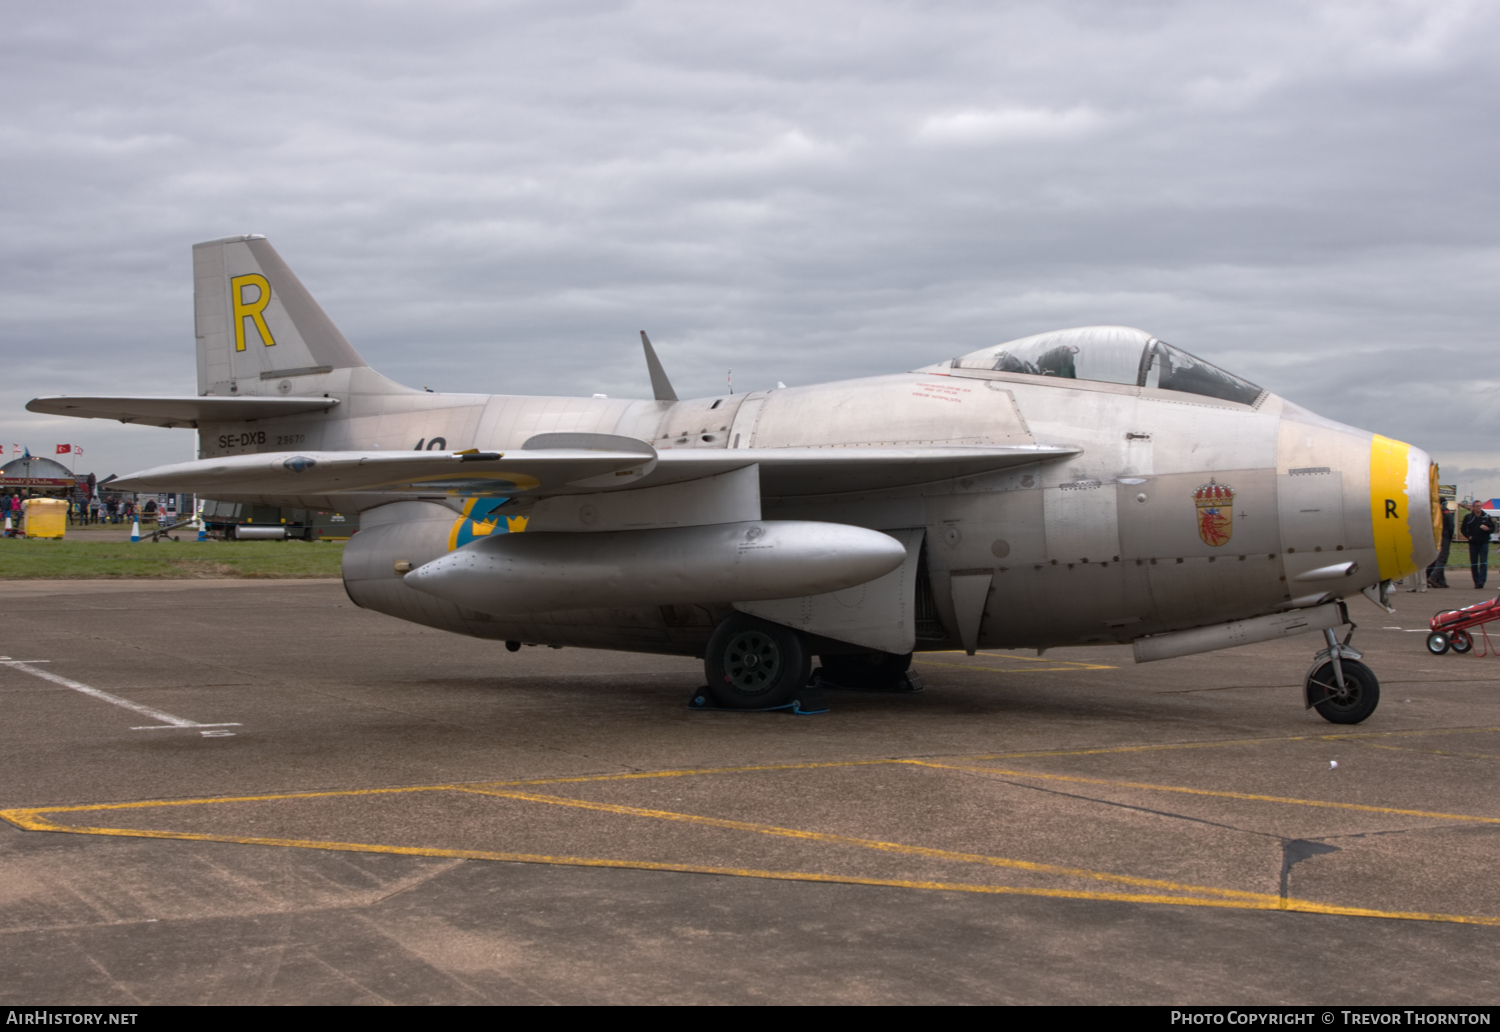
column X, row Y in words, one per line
column 661, row 387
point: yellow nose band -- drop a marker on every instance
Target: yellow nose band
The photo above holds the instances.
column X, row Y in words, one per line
column 1388, row 507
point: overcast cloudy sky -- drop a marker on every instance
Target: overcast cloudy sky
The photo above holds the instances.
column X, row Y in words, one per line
column 497, row 196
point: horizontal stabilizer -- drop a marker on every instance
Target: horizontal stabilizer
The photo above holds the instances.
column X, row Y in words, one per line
column 540, row 472
column 189, row 410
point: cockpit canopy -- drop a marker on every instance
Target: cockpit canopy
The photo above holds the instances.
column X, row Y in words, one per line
column 1111, row 354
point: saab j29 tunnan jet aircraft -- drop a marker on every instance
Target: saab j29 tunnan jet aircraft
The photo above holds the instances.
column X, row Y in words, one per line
column 1085, row 486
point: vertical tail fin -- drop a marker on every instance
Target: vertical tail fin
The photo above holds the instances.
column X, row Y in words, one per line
column 256, row 322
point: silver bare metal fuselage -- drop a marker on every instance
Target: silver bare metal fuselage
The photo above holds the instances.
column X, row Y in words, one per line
column 1101, row 547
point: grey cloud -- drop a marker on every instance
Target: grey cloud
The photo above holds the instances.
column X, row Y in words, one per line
column 1482, row 483
column 497, row 196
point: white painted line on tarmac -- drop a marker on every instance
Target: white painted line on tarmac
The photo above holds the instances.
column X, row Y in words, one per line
column 167, row 720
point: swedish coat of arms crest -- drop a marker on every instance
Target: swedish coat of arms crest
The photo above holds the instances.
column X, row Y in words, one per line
column 1215, row 502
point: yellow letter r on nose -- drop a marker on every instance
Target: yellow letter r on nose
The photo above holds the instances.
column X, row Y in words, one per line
column 250, row 309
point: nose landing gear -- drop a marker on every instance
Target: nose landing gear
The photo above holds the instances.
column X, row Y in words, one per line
column 1341, row 688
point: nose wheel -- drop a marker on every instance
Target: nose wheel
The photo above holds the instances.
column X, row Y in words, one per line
column 1341, row 688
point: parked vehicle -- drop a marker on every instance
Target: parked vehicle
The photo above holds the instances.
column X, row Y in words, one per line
column 242, row 521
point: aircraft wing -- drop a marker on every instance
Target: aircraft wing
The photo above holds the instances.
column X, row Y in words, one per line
column 188, row 410
column 544, row 471
column 816, row 471
column 474, row 473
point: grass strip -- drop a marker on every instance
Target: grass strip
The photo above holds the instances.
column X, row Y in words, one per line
column 36, row 559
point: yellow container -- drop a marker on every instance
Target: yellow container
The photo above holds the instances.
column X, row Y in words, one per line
column 44, row 517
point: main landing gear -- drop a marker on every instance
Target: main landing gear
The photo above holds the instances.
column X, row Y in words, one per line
column 868, row 672
column 754, row 664
column 1341, row 688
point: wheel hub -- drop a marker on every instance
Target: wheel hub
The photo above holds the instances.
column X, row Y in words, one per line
column 1340, row 697
column 752, row 662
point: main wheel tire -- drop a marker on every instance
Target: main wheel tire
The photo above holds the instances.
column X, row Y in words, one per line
column 752, row 664
column 870, row 671
column 1438, row 643
column 1462, row 642
column 1350, row 704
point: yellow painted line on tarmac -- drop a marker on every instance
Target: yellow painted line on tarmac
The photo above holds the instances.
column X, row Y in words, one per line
column 33, row 819
column 1168, row 747
column 17, row 816
column 1411, row 732
column 1320, row 803
column 1264, row 903
column 1126, row 749
column 1042, row 754
column 642, row 774
column 1418, row 732
column 875, row 844
column 1426, row 752
column 20, row 816
column 1055, row 664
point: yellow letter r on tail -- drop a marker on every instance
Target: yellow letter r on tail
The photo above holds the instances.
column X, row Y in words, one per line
column 250, row 309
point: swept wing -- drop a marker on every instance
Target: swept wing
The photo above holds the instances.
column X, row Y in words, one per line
column 540, row 472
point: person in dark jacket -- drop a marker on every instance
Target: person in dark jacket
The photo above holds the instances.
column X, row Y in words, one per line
column 1477, row 528
column 1437, row 573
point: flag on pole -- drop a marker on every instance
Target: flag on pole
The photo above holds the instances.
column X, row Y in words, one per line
column 64, row 449
column 77, row 450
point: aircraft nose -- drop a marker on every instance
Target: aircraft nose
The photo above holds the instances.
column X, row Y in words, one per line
column 1404, row 511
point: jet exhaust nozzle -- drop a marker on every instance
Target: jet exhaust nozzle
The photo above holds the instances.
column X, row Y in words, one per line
column 727, row 562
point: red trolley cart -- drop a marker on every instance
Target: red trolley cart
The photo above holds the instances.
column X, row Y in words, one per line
column 1450, row 628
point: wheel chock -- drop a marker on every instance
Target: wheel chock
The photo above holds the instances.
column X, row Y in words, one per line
column 810, row 704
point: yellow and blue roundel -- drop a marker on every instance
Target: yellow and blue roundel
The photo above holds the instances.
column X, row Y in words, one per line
column 479, row 520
